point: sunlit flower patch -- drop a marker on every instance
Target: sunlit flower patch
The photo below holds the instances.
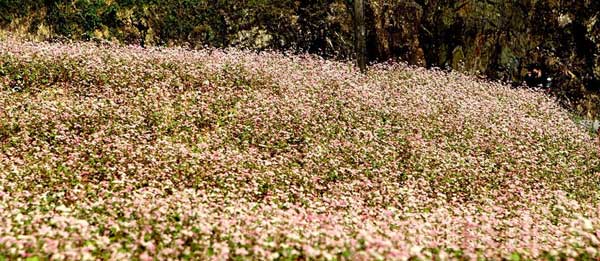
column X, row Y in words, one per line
column 111, row 152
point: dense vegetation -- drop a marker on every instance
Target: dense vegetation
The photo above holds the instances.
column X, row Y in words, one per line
column 129, row 153
column 501, row 39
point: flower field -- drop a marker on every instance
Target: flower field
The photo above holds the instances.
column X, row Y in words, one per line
column 125, row 153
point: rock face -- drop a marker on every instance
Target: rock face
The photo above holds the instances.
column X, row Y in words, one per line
column 502, row 39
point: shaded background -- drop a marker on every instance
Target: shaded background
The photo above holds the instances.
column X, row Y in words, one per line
column 501, row 39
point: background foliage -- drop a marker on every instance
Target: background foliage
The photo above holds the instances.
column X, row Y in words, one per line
column 501, row 39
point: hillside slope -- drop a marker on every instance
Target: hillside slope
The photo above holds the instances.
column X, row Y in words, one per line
column 501, row 39
column 121, row 152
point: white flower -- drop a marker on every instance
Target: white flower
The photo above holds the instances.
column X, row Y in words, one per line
column 587, row 224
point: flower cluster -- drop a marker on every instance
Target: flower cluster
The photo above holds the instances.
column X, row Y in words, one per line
column 110, row 152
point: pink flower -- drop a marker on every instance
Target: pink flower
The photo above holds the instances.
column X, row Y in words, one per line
column 146, row 257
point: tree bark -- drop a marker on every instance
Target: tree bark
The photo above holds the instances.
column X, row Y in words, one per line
column 360, row 33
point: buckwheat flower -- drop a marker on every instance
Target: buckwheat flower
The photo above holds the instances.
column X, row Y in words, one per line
column 50, row 245
column 310, row 251
column 145, row 257
column 150, row 247
column 241, row 251
column 587, row 224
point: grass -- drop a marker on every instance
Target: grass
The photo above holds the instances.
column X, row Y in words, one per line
column 112, row 152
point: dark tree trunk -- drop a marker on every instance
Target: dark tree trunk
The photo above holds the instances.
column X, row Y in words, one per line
column 360, row 35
